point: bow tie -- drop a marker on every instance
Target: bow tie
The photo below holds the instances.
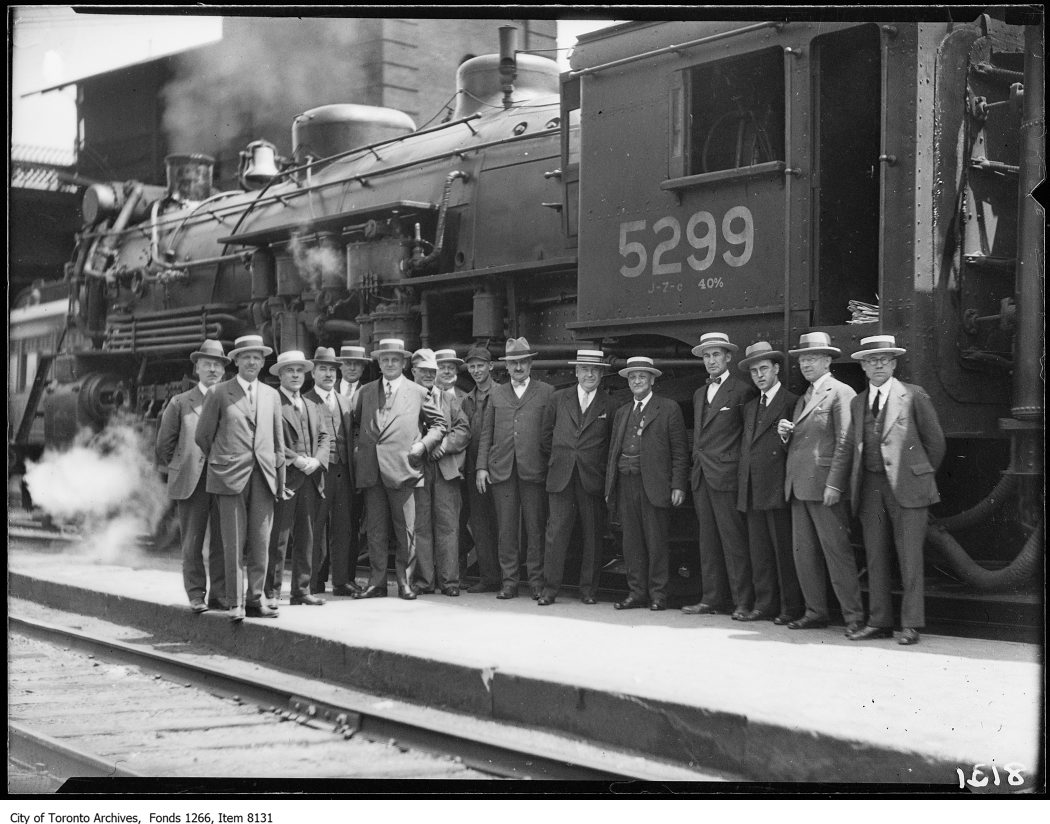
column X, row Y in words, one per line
column 519, row 384
column 714, row 380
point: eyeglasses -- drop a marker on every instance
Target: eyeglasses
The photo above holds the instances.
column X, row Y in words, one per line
column 878, row 361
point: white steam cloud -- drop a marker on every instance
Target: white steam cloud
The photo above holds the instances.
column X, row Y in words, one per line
column 316, row 263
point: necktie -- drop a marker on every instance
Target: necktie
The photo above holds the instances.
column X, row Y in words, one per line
column 637, row 412
column 764, row 400
column 251, row 400
column 875, row 405
column 389, row 394
column 585, row 402
column 331, row 403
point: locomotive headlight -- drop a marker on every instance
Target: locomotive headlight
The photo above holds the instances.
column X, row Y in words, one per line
column 101, row 200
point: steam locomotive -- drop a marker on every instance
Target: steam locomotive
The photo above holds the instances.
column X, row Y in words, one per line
column 762, row 179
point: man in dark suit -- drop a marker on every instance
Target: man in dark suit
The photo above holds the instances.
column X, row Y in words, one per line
column 646, row 475
column 306, row 440
column 761, row 490
column 718, row 421
column 576, row 428
column 510, row 457
column 179, row 456
column 241, row 434
column 388, row 463
column 819, row 522
column 890, row 455
column 482, row 511
column 335, row 512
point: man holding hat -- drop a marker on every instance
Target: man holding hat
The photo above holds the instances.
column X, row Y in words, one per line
column 306, row 447
column 241, row 434
column 718, row 421
column 819, row 521
column 481, row 511
column 388, row 464
column 198, row 512
column 335, row 511
column 576, row 428
column 763, row 457
column 511, row 458
column 890, row 457
column 646, row 475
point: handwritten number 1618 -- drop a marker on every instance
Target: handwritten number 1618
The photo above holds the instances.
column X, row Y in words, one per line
column 978, row 778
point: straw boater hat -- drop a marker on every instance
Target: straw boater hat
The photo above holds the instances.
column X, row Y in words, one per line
column 325, row 354
column 878, row 345
column 760, row 350
column 209, row 349
column 518, row 349
column 424, row 359
column 815, row 342
column 388, row 346
column 248, row 343
column 589, row 357
column 479, row 353
column 640, row 363
column 446, row 356
column 714, row 340
column 293, row 357
column 353, row 353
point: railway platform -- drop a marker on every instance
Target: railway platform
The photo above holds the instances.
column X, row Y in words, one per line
column 753, row 700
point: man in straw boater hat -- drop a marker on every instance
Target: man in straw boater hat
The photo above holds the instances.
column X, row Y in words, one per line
column 241, row 434
column 482, row 512
column 198, row 512
column 646, row 475
column 819, row 521
column 889, row 459
column 510, row 457
column 353, row 360
column 306, row 448
column 388, row 465
column 763, row 457
column 718, row 422
column 576, row 428
column 335, row 512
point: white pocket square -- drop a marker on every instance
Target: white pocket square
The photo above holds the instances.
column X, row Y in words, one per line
column 603, row 415
column 724, row 409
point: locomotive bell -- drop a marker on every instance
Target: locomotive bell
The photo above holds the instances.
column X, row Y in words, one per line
column 258, row 164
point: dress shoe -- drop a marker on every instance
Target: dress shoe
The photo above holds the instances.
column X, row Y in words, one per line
column 198, row 606
column 423, row 591
column 657, row 606
column 630, row 602
column 346, row 589
column 214, row 603
column 481, row 586
column 854, row 626
column 371, row 592
column 307, row 600
column 587, row 599
column 700, row 609
column 237, row 614
column 317, row 590
column 805, row 622
column 507, row 592
column 536, row 593
column 274, row 604
column 740, row 614
column 866, row 633
column 451, row 592
column 909, row 636
column 783, row 620
column 544, row 601
column 260, row 611
column 756, row 615
column 407, row 593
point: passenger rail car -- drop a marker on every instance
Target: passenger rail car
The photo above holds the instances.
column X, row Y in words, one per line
column 761, row 179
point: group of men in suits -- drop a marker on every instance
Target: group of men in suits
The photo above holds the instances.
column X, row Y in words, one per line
column 768, row 475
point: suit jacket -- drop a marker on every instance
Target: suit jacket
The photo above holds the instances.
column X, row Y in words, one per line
column 577, row 442
column 819, row 425
column 512, row 432
column 298, row 442
column 763, row 456
column 664, row 451
column 456, row 438
column 716, row 433
column 912, row 446
column 381, row 455
column 234, row 443
column 474, row 408
column 177, row 451
column 346, row 415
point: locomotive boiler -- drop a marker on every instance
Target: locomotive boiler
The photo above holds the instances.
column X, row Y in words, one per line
column 761, row 179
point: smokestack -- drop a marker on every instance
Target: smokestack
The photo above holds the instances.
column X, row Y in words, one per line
column 508, row 65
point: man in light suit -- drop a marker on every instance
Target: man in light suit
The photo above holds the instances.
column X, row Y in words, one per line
column 306, row 447
column 576, row 428
column 336, row 511
column 819, row 519
column 763, row 457
column 438, row 500
column 890, row 455
column 241, row 434
column 179, row 455
column 388, row 463
column 482, row 515
column 646, row 475
column 510, row 457
column 718, row 421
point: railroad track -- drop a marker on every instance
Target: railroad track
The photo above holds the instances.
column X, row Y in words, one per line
column 86, row 706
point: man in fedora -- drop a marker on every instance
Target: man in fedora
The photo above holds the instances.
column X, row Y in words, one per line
column 763, row 457
column 818, row 520
column 388, row 464
column 576, row 428
column 481, row 511
column 718, row 421
column 511, row 458
column 646, row 475
column 335, row 511
column 889, row 460
column 180, row 457
column 438, row 500
column 241, row 434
